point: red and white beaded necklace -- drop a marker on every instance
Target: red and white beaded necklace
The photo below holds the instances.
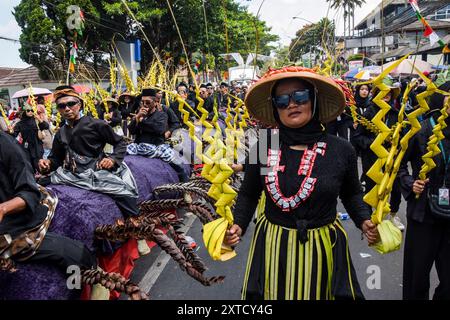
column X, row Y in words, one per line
column 305, row 168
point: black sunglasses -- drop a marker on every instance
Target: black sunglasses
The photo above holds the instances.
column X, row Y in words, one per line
column 299, row 97
column 69, row 104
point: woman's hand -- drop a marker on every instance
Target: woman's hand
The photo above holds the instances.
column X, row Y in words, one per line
column 233, row 235
column 419, row 186
column 370, row 231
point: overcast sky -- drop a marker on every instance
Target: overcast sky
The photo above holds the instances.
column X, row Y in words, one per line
column 277, row 13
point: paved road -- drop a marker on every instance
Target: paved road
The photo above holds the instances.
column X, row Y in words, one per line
column 168, row 282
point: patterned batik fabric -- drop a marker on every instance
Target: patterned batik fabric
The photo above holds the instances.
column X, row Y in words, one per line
column 25, row 245
column 162, row 151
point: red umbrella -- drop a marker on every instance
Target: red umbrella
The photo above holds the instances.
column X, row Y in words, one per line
column 79, row 88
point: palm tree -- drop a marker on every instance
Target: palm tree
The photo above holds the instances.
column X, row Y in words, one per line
column 349, row 11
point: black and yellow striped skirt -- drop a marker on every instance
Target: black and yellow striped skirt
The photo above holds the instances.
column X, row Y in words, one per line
column 280, row 267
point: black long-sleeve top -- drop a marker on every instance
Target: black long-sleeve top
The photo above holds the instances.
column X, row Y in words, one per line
column 337, row 176
column 88, row 137
column 126, row 109
column 17, row 180
column 172, row 120
column 418, row 209
column 151, row 129
column 28, row 129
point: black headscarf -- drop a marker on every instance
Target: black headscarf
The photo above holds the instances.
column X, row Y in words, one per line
column 310, row 133
column 360, row 101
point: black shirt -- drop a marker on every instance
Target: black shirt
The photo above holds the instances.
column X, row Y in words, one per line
column 88, row 137
column 17, row 180
column 151, row 129
column 337, row 176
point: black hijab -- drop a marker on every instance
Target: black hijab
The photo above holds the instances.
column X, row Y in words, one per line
column 360, row 101
column 310, row 133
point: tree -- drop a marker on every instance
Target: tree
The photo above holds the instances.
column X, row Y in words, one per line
column 44, row 39
column 313, row 38
column 349, row 11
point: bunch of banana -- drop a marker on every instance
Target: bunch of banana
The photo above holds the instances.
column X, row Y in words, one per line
column 112, row 74
column 48, row 107
column 126, row 76
column 32, row 99
column 90, row 105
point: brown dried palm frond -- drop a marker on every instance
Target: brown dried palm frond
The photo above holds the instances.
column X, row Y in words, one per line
column 182, row 244
column 169, row 246
column 113, row 281
column 147, row 207
column 186, row 188
column 202, row 211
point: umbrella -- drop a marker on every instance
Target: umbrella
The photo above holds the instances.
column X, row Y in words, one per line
column 409, row 66
column 26, row 92
column 367, row 73
column 80, row 88
column 351, row 73
column 361, row 73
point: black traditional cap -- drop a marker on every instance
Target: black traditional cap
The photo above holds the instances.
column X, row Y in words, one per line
column 224, row 84
column 209, row 84
column 148, row 92
column 203, row 86
column 64, row 87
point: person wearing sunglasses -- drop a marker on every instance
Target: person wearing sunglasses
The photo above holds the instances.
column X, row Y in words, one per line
column 182, row 91
column 150, row 126
column 28, row 131
column 78, row 159
column 299, row 249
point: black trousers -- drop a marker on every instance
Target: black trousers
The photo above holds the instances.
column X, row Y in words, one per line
column 426, row 244
column 64, row 252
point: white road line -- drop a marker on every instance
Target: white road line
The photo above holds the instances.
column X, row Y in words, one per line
column 161, row 261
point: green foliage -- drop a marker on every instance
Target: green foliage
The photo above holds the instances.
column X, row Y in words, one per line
column 45, row 39
column 316, row 38
column 355, row 57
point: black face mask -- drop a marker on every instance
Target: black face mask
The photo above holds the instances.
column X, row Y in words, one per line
column 309, row 134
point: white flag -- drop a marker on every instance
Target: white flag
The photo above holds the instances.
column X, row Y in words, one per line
column 434, row 38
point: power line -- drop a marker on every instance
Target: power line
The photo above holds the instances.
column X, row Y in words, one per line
column 9, row 39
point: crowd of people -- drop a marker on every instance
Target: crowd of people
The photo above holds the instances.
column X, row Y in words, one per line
column 300, row 249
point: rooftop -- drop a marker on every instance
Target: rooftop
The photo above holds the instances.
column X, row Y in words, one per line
column 17, row 77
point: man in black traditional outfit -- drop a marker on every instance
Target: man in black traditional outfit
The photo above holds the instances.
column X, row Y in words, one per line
column 77, row 156
column 24, row 218
column 149, row 125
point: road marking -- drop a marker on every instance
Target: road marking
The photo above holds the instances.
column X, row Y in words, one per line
column 161, row 261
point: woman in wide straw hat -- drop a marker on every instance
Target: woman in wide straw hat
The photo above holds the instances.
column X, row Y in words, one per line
column 299, row 249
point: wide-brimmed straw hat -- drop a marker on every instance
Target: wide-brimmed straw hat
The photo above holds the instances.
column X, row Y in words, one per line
column 126, row 94
column 114, row 101
column 330, row 97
